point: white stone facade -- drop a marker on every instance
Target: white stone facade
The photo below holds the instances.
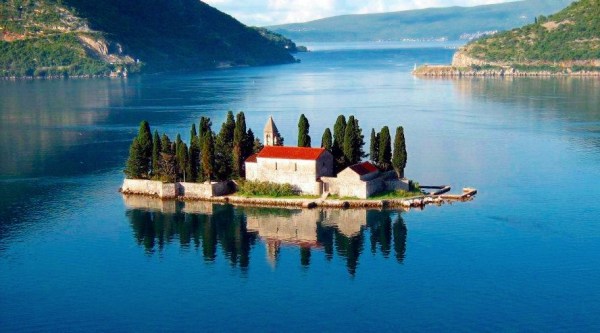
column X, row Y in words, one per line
column 349, row 183
column 301, row 173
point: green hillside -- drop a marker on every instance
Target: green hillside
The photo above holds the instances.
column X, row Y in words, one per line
column 83, row 37
column 572, row 34
column 452, row 23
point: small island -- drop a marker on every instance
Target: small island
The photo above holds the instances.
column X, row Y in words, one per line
column 234, row 166
column 564, row 44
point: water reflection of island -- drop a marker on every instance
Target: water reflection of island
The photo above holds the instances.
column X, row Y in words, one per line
column 236, row 230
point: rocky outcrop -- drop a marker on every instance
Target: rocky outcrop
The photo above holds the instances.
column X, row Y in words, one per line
column 461, row 59
column 108, row 51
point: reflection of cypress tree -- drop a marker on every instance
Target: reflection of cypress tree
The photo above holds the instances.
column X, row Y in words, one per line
column 380, row 225
column 143, row 228
column 196, row 228
column 184, row 230
column 400, row 233
column 305, row 256
column 325, row 238
column 350, row 248
column 209, row 240
column 233, row 235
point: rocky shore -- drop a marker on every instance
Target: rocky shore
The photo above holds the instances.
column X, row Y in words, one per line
column 404, row 203
column 464, row 65
column 452, row 71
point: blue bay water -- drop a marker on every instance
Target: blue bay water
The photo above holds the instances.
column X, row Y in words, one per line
column 523, row 256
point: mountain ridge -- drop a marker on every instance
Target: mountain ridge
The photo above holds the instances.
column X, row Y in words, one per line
column 446, row 23
column 88, row 38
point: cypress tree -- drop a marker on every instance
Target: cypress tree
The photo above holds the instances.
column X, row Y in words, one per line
column 339, row 130
column 194, row 154
column 208, row 155
column 223, row 165
column 350, row 142
column 374, row 147
column 165, row 144
column 227, row 130
column 222, row 168
column 134, row 165
column 360, row 141
column 139, row 162
column 385, row 149
column 205, row 127
column 303, row 129
column 239, row 145
column 182, row 161
column 326, row 140
column 249, row 143
column 156, row 149
column 400, row 156
column 145, row 140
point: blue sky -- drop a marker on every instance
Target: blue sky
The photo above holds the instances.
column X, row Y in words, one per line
column 269, row 12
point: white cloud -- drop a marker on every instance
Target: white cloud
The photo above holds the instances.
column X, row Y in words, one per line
column 269, row 12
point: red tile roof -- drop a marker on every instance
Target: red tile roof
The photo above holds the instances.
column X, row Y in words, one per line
column 292, row 153
column 252, row 158
column 364, row 168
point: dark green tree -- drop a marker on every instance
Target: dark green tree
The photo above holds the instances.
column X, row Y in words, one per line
column 222, row 168
column 205, row 127
column 228, row 129
column 339, row 130
column 385, row 149
column 303, row 129
column 327, row 140
column 239, row 145
column 183, row 161
column 257, row 146
column 165, row 144
column 156, row 149
column 208, row 155
column 134, row 169
column 374, row 147
column 250, row 142
column 360, row 139
column 194, row 155
column 351, row 141
column 400, row 156
column 139, row 163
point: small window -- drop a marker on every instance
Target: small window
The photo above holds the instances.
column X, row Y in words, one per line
column 295, row 166
column 275, row 165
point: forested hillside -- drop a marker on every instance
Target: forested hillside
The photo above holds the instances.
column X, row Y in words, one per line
column 82, row 37
column 572, row 34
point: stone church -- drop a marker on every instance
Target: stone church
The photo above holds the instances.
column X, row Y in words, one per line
column 310, row 170
column 299, row 166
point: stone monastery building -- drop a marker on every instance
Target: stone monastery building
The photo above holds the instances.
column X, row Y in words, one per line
column 310, row 170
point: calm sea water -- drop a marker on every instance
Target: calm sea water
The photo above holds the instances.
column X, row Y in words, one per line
column 523, row 256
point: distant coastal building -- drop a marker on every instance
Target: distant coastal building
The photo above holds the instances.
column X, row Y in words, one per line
column 310, row 170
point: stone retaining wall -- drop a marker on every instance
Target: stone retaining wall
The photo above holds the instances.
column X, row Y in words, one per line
column 173, row 190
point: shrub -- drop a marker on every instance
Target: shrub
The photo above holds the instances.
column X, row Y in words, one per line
column 258, row 188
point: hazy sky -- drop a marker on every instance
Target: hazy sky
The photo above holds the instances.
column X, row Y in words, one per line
column 269, row 12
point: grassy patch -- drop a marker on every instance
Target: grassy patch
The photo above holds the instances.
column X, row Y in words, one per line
column 396, row 195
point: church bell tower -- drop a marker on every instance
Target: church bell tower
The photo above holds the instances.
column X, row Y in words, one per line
column 271, row 134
